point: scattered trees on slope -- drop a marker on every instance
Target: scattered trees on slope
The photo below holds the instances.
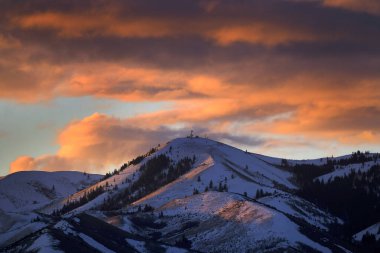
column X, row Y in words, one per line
column 134, row 161
column 155, row 173
column 88, row 196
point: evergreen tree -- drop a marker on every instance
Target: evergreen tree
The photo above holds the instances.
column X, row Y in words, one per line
column 211, row 185
column 257, row 194
column 220, row 187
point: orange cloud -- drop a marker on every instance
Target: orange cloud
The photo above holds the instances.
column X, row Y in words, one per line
column 125, row 83
column 261, row 33
column 47, row 163
column 97, row 143
column 22, row 163
column 369, row 6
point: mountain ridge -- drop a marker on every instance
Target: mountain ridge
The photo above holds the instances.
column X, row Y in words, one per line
column 209, row 185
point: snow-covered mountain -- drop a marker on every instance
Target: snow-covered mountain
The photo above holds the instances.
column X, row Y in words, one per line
column 30, row 190
column 201, row 194
column 22, row 194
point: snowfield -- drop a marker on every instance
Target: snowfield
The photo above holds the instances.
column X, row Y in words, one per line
column 44, row 244
column 230, row 223
column 30, row 190
column 300, row 208
column 341, row 171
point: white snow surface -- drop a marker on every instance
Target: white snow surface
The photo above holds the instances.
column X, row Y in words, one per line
column 246, row 224
column 29, row 190
column 241, row 171
column 300, row 208
column 372, row 230
column 175, row 250
column 65, row 227
column 19, row 231
column 138, row 245
column 44, row 244
column 342, row 171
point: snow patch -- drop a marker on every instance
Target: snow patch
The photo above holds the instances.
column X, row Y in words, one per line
column 44, row 244
column 372, row 230
column 138, row 245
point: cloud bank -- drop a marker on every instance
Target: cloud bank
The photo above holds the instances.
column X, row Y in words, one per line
column 275, row 70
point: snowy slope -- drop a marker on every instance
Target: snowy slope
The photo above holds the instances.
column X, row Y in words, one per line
column 214, row 161
column 29, row 190
column 301, row 209
column 318, row 161
column 341, row 171
column 223, row 222
column 119, row 180
column 224, row 160
column 23, row 193
column 247, row 225
column 220, row 163
column 372, row 230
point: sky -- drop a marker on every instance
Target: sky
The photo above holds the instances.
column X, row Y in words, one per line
column 88, row 85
